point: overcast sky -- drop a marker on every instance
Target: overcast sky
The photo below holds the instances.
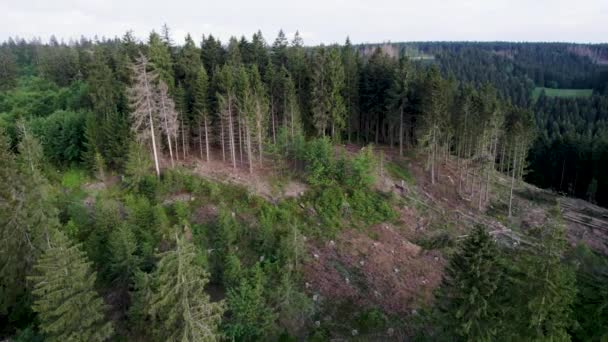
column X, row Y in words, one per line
column 319, row 21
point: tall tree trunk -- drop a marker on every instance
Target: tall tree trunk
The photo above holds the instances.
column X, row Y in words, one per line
column 260, row 140
column 377, row 130
column 162, row 99
column 231, row 134
column 274, row 132
column 207, row 140
column 176, row 146
column 152, row 133
column 512, row 181
column 434, row 148
column 154, row 145
column 401, row 133
column 183, row 139
column 200, row 140
column 240, row 129
column 249, row 154
column 223, row 138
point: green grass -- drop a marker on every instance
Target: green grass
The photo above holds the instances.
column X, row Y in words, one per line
column 74, row 179
column 399, row 170
column 553, row 92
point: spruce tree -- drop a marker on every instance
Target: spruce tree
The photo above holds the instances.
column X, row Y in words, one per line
column 160, row 56
column 28, row 214
column 178, row 305
column 468, row 291
column 252, row 318
column 541, row 289
column 65, row 299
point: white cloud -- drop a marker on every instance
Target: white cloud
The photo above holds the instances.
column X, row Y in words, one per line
column 319, row 21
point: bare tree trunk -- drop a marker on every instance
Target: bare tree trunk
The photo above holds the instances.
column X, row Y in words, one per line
column 433, row 156
column 152, row 133
column 170, row 151
column 274, row 132
column 512, row 181
column 154, row 145
column 260, row 141
column 377, row 130
column 165, row 114
column 183, row 139
column 207, row 140
column 249, row 154
column 240, row 128
column 223, row 138
column 200, row 140
column 401, row 133
column 176, row 146
column 231, row 134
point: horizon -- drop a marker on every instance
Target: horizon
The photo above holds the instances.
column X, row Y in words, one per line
column 319, row 22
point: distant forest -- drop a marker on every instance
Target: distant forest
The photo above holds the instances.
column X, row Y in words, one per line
column 569, row 154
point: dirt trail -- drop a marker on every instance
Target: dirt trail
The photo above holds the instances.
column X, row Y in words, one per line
column 261, row 181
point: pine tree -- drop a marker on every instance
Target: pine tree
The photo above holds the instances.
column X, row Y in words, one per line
column 178, row 304
column 65, row 299
column 469, row 287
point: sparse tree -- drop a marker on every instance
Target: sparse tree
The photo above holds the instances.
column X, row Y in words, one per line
column 144, row 107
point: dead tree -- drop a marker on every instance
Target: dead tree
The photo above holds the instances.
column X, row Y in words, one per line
column 141, row 96
column 168, row 116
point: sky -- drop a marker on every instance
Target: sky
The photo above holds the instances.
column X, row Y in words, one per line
column 318, row 21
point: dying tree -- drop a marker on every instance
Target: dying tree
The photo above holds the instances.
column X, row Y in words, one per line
column 168, row 115
column 144, row 107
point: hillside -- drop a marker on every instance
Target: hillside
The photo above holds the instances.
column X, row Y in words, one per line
column 367, row 280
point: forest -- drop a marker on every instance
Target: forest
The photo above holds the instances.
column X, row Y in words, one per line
column 127, row 210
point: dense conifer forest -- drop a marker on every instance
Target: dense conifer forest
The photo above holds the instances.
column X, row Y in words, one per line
column 269, row 190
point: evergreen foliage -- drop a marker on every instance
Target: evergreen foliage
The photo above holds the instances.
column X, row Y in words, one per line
column 178, row 305
column 65, row 299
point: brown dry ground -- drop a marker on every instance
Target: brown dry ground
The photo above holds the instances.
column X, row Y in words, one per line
column 383, row 266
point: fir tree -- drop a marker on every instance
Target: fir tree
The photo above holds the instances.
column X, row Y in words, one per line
column 178, row 304
column 541, row 289
column 27, row 217
column 468, row 292
column 161, row 58
column 252, row 319
column 65, row 298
